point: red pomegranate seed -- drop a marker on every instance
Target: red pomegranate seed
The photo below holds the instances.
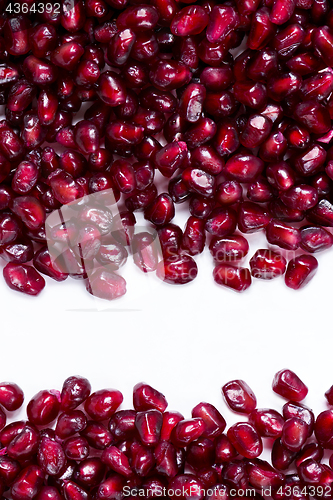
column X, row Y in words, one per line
column 224, row 450
column 311, row 451
column 187, row 431
column 43, row 408
column 300, row 411
column 239, row 396
column 243, row 168
column 177, row 270
column 245, row 439
column 294, row 434
column 288, row 385
column 237, row 278
column 300, row 271
column 213, row 420
column 269, row 423
column 263, row 475
column 116, row 461
column 148, row 424
column 266, row 264
column 102, row 404
column 70, row 423
column 24, row 445
column 23, row 278
column 28, row 483
column 189, row 21
column 51, row 457
column 11, row 396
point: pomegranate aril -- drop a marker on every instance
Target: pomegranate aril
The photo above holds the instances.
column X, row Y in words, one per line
column 43, row 408
column 288, row 385
column 189, row 21
column 252, row 217
column 300, row 271
column 70, row 423
column 102, row 404
column 269, row 423
column 187, row 431
column 224, row 450
column 245, row 439
column 221, row 222
column 27, row 485
column 194, row 237
column 24, row 445
column 239, row 396
column 213, row 420
column 76, row 448
column 51, row 457
column 309, row 452
column 266, row 264
column 282, row 235
column 97, row 435
column 148, row 424
column 116, row 461
column 294, row 434
column 263, row 475
column 23, row 278
column 237, row 278
column 243, row 167
column 11, row 396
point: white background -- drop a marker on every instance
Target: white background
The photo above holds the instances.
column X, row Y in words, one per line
column 187, row 341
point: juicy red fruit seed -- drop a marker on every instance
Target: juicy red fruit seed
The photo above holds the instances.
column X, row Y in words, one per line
column 11, row 396
column 23, row 278
column 239, row 396
column 300, row 271
column 288, row 385
column 266, row 264
column 245, row 439
column 102, row 404
column 236, row 278
column 43, row 408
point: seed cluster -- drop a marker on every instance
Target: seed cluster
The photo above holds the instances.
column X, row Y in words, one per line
column 244, row 140
column 78, row 445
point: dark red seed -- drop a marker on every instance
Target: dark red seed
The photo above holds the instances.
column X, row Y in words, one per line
column 177, row 270
column 27, row 485
column 245, row 439
column 97, row 435
column 24, row 445
column 300, row 411
column 76, row 448
column 170, row 420
column 145, row 251
column 116, row 461
column 213, row 420
column 189, row 21
column 300, row 271
column 244, row 167
column 51, row 457
column 269, row 423
column 224, row 450
column 294, row 434
column 252, row 217
column 11, row 396
column 288, row 385
column 266, row 264
column 263, row 475
column 323, row 429
column 102, row 404
column 148, row 424
column 43, row 408
column 23, row 278
column 282, row 235
column 70, row 423
column 239, row 396
column 221, row 222
column 161, row 211
column 146, row 397
column 199, row 181
column 230, row 248
column 309, row 452
column 187, row 431
column 282, row 457
column 237, row 278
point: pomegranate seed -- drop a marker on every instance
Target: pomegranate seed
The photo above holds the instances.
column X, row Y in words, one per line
column 27, row 485
column 294, row 434
column 116, row 461
column 97, row 435
column 284, row 236
column 51, row 457
column 43, row 408
column 263, row 475
column 146, row 398
column 237, row 278
column 102, row 404
column 189, row 21
column 245, row 439
column 24, row 445
column 187, row 431
column 213, row 420
column 288, row 385
column 224, row 450
column 166, row 459
column 11, row 396
column 70, row 423
column 311, row 451
column 76, row 448
column 148, row 424
column 170, row 420
column 239, row 396
column 269, row 423
column 300, row 411
column 177, row 270
column 244, row 168
column 300, row 271
column 266, row 264
column 23, row 278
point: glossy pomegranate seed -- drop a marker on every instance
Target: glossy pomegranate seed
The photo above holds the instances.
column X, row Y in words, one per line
column 75, row 391
column 102, row 404
column 170, row 237
column 23, row 278
column 186, row 483
column 76, row 448
column 282, row 457
column 187, row 431
column 161, row 211
column 300, row 271
column 245, row 439
column 200, row 206
column 230, row 248
column 311, row 160
column 269, row 423
column 146, row 398
column 145, row 251
column 243, row 167
column 97, row 435
column 329, row 395
column 177, row 270
column 294, row 434
column 70, row 423
column 169, row 75
column 239, row 396
column 252, row 217
column 166, row 459
column 323, row 429
column 314, row 116
column 288, row 385
column 116, row 461
column 199, row 181
column 29, row 482
column 200, row 453
column 282, row 235
column 51, row 457
column 189, row 21
column 170, row 420
column 122, row 424
column 72, row 491
column 111, row 89
column 11, row 396
column 43, row 408
column 263, row 475
column 255, row 131
column 309, row 452
column 262, row 29
column 24, row 445
column 224, row 450
column 67, row 55
column 200, row 133
column 323, row 41
column 221, row 222
column 11, row 146
column 237, row 278
column 148, row 424
column 266, row 264
column 229, row 192
column 300, row 411
column 315, row 239
column 250, row 94
column 213, row 420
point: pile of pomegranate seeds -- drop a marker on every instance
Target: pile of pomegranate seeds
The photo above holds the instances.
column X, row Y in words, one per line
column 78, row 445
column 231, row 103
